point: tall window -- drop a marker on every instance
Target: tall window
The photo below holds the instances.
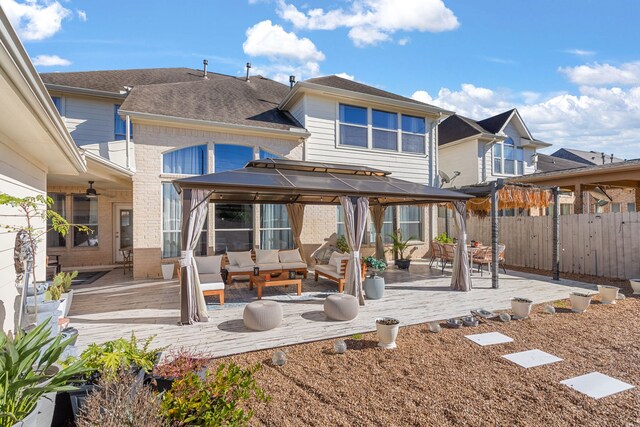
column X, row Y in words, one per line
column 57, row 101
column 55, row 239
column 615, row 207
column 413, row 134
column 631, row 207
column 387, row 226
column 507, row 158
column 275, row 232
column 172, row 222
column 85, row 212
column 353, row 126
column 565, row 208
column 385, row 130
column 120, row 125
column 340, row 230
column 233, row 223
column 186, row 161
column 410, row 222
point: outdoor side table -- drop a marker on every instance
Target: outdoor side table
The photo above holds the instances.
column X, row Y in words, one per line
column 260, row 282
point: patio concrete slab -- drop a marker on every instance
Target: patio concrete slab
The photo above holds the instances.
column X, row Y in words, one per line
column 114, row 306
column 489, row 338
column 532, row 358
column 597, row 385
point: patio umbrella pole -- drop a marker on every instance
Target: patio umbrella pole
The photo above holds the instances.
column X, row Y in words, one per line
column 494, row 235
column 556, row 233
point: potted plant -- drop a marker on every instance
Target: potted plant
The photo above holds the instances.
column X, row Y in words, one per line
column 176, row 365
column 579, row 301
column 635, row 285
column 443, row 238
column 63, row 282
column 387, row 331
column 28, row 373
column 167, row 270
column 374, row 285
column 342, row 245
column 521, row 307
column 608, row 294
column 398, row 246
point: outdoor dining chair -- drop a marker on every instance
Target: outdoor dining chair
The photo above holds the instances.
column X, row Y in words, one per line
column 484, row 257
column 436, row 252
column 448, row 253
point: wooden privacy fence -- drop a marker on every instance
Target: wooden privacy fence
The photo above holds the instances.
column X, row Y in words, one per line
column 605, row 244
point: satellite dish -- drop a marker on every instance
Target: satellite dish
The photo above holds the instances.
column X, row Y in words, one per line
column 601, row 196
column 445, row 179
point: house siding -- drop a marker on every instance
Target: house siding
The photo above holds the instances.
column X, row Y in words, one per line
column 460, row 157
column 19, row 177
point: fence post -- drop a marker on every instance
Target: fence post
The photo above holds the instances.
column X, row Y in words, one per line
column 494, row 235
column 556, row 234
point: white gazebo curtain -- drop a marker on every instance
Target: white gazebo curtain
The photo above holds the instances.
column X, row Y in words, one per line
column 354, row 224
column 377, row 217
column 460, row 276
column 193, row 306
column 296, row 221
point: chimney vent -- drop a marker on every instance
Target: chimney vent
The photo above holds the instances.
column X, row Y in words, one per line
column 204, row 73
column 248, row 68
column 292, row 81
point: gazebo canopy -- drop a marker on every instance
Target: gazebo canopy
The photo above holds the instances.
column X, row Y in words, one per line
column 291, row 181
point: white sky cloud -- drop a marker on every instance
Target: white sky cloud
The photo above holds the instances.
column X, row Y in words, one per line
column 404, row 41
column 581, row 52
column 602, row 119
column 603, row 74
column 50, row 61
column 346, row 76
column 374, row 21
column 34, row 19
column 82, row 15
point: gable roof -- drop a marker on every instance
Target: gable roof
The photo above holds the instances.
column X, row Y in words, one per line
column 496, row 123
column 222, row 99
column 116, row 80
column 585, row 157
column 547, row 163
column 456, row 127
column 353, row 86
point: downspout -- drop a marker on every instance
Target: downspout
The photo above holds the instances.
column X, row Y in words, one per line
column 484, row 161
column 128, row 140
column 434, row 163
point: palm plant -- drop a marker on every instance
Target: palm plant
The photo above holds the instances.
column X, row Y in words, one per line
column 399, row 244
column 27, row 371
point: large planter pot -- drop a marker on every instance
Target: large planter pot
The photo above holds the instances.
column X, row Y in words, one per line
column 31, row 419
column 374, row 287
column 45, row 307
column 608, row 294
column 635, row 285
column 46, row 406
column 387, row 333
column 521, row 307
column 65, row 302
column 167, row 271
column 579, row 302
column 403, row 264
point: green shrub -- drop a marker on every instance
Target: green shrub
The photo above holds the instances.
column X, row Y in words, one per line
column 219, row 399
column 443, row 238
column 27, row 371
column 108, row 358
column 375, row 263
column 342, row 245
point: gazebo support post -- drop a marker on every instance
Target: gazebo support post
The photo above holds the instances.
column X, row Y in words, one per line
column 446, row 219
column 185, row 292
column 556, row 234
column 495, row 186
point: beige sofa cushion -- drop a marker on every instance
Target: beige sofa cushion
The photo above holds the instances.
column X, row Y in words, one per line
column 275, row 266
column 293, row 265
column 329, row 270
column 267, row 256
column 208, row 264
column 242, row 259
column 211, row 282
column 238, row 269
column 290, row 256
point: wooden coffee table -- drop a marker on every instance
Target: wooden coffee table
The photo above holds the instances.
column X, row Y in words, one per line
column 260, row 282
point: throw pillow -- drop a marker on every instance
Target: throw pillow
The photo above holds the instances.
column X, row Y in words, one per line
column 244, row 260
column 233, row 256
column 266, row 256
column 208, row 264
column 336, row 260
column 290, row 256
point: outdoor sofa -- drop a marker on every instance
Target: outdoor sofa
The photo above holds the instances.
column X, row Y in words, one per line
column 336, row 269
column 269, row 262
column 210, row 276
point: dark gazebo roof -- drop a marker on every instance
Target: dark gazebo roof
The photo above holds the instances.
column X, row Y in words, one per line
column 291, row 181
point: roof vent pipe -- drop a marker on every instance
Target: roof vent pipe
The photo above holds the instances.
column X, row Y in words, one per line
column 204, row 73
column 611, row 157
column 248, row 68
column 604, row 156
column 292, row 81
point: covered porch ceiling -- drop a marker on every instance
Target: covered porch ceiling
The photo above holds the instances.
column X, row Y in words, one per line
column 105, row 174
column 289, row 181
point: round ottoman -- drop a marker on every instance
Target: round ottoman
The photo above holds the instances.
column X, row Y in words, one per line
column 341, row 307
column 262, row 315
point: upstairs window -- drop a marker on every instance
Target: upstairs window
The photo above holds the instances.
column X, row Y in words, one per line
column 353, row 126
column 186, row 161
column 120, row 125
column 385, row 130
column 413, row 134
column 508, row 159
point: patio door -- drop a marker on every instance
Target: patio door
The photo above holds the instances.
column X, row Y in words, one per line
column 123, row 228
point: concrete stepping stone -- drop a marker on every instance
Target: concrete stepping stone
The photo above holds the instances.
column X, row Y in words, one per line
column 597, row 385
column 489, row 338
column 532, row 358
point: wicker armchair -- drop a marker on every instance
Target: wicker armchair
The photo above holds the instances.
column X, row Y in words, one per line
column 448, row 254
column 484, row 257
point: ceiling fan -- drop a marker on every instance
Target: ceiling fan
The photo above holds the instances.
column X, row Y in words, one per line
column 91, row 192
column 445, row 179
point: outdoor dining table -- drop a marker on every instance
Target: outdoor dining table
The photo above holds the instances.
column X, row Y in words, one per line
column 471, row 250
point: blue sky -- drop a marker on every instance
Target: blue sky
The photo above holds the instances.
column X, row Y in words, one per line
column 571, row 67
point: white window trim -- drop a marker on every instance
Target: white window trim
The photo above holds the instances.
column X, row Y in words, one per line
column 502, row 160
column 370, row 128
